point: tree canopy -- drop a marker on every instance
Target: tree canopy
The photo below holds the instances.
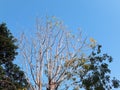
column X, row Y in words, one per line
column 11, row 77
column 57, row 59
column 93, row 72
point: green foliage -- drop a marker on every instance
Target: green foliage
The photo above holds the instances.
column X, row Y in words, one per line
column 98, row 75
column 7, row 45
column 93, row 73
column 11, row 77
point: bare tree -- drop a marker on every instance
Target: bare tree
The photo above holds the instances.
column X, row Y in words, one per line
column 49, row 54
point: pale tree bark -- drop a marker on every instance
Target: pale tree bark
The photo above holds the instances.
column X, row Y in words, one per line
column 49, row 53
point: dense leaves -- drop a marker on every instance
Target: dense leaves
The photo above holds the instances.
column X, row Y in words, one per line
column 11, row 77
column 7, row 45
column 94, row 73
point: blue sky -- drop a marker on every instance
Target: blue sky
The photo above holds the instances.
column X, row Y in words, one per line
column 99, row 19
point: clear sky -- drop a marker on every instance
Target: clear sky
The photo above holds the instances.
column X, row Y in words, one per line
column 99, row 19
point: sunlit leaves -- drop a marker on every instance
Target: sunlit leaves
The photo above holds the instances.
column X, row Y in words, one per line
column 86, row 66
column 92, row 42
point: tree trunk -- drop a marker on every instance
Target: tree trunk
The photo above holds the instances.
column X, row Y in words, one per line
column 52, row 86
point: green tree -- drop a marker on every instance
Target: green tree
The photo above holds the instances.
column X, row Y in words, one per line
column 11, row 77
column 93, row 72
column 98, row 74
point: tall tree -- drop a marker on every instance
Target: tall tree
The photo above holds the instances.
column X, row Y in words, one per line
column 11, row 77
column 56, row 59
column 47, row 51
